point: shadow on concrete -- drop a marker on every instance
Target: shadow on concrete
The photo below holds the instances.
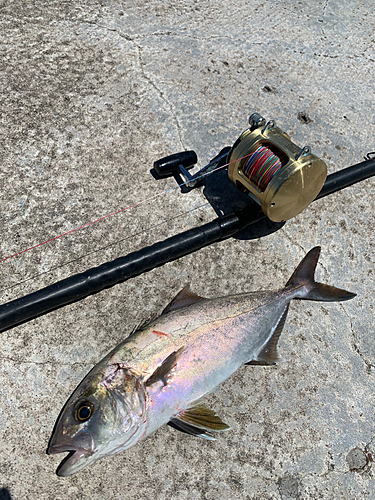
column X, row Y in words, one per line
column 225, row 199
column 4, row 494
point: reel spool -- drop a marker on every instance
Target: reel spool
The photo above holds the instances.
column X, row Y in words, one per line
column 266, row 165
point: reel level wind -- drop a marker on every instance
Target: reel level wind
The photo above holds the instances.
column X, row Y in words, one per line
column 264, row 164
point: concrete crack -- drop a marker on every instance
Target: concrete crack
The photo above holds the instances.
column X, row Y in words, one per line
column 113, row 30
column 146, row 77
column 303, row 250
column 171, row 33
column 19, row 362
column 294, row 242
column 161, row 95
column 325, row 55
column 322, row 20
column 324, row 7
column 355, row 343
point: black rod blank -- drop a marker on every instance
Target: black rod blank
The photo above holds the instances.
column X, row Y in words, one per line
column 346, row 177
column 109, row 274
column 94, row 280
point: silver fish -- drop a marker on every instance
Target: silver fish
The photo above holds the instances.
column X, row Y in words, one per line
column 161, row 372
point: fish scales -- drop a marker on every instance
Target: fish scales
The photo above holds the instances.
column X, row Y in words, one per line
column 161, row 372
column 217, row 337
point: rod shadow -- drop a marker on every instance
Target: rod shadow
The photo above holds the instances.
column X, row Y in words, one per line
column 225, row 198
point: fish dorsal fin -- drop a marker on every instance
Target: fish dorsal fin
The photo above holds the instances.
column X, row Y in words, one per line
column 268, row 354
column 143, row 324
column 184, row 298
column 164, row 372
column 190, row 429
column 202, row 417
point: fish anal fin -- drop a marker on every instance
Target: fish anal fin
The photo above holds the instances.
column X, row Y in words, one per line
column 184, row 298
column 164, row 372
column 268, row 354
column 198, row 415
column 190, row 429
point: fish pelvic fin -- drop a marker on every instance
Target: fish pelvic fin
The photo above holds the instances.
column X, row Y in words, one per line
column 190, row 429
column 303, row 278
column 201, row 417
column 268, row 355
column 184, row 298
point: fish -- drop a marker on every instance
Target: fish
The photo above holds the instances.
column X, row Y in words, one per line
column 163, row 370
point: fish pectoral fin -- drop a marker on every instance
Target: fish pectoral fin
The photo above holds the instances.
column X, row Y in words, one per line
column 190, row 429
column 268, row 355
column 202, row 417
column 183, row 299
column 165, row 370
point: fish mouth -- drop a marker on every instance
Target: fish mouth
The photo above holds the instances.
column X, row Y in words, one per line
column 65, row 468
column 74, row 461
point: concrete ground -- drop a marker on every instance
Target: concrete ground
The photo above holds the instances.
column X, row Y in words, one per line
column 92, row 92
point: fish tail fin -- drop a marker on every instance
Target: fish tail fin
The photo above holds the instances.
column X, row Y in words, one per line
column 309, row 289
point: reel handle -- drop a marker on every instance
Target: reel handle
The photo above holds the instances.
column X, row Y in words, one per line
column 179, row 163
column 171, row 165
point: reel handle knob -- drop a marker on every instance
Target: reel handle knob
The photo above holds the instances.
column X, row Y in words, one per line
column 170, row 165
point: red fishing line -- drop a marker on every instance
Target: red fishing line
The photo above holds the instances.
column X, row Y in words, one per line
column 113, row 213
column 80, row 227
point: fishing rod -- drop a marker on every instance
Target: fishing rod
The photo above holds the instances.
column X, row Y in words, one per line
column 280, row 178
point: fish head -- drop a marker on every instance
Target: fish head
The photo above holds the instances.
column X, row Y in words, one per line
column 106, row 414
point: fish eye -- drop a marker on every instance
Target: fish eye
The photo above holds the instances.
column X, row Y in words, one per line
column 84, row 411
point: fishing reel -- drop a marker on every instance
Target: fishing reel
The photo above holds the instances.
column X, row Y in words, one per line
column 264, row 164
